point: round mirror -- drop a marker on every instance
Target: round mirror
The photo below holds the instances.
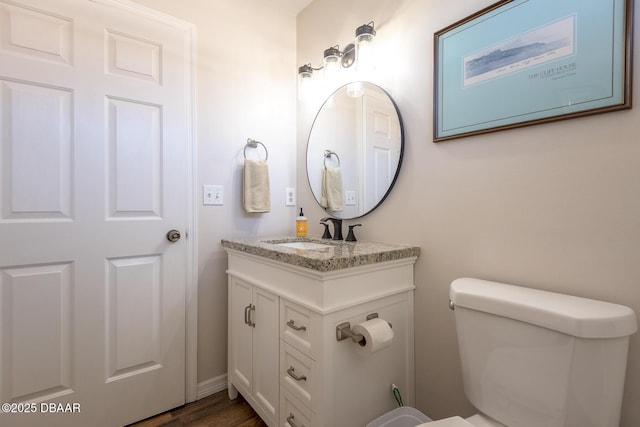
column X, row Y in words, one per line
column 354, row 150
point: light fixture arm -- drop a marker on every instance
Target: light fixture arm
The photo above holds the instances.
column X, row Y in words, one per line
column 348, row 56
column 308, row 68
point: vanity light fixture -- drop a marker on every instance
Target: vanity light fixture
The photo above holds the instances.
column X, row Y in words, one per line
column 365, row 57
column 305, row 73
column 331, row 64
column 359, row 53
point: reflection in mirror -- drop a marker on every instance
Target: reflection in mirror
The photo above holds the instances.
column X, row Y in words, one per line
column 354, row 150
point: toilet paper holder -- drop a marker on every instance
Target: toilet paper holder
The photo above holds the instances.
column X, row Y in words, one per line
column 343, row 331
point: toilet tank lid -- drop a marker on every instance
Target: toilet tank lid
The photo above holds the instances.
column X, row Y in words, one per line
column 576, row 316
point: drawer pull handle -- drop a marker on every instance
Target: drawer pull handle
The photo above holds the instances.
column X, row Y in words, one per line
column 293, row 326
column 290, row 419
column 292, row 374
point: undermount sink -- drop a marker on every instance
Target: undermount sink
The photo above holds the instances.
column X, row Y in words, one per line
column 303, row 245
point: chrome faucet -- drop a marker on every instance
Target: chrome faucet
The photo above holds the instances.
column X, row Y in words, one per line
column 337, row 227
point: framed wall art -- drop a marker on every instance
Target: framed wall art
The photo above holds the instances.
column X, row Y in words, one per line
column 523, row 62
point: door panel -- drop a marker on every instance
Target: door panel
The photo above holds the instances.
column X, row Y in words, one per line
column 240, row 334
column 266, row 361
column 36, row 346
column 93, row 161
column 135, row 182
column 133, row 310
column 37, row 33
column 30, row 110
column 132, row 57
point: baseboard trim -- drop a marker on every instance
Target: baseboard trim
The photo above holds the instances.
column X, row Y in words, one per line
column 211, row 386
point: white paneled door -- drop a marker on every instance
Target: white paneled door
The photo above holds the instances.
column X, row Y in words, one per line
column 382, row 146
column 94, row 147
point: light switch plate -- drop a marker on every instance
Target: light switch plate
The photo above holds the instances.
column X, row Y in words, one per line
column 213, row 195
column 350, row 198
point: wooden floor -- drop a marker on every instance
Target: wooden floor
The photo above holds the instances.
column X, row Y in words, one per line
column 216, row 410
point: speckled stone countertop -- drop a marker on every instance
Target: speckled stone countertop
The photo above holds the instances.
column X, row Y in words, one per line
column 338, row 255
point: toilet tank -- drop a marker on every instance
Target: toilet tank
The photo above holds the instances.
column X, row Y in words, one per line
column 533, row 358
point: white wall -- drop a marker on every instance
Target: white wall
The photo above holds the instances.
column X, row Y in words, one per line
column 552, row 206
column 246, row 77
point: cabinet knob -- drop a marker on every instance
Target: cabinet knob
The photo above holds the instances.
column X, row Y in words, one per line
column 292, row 373
column 293, row 326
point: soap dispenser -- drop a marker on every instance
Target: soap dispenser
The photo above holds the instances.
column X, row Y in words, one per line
column 301, row 225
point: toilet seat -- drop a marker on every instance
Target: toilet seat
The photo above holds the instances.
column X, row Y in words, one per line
column 448, row 422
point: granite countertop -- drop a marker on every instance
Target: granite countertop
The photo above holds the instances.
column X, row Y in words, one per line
column 335, row 256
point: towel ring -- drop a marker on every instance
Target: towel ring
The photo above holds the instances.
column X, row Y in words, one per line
column 328, row 154
column 254, row 144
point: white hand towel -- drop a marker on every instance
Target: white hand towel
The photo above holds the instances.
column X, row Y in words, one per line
column 256, row 195
column 332, row 189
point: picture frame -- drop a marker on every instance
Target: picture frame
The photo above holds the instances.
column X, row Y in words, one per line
column 524, row 62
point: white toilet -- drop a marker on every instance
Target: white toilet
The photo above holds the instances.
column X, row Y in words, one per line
column 532, row 358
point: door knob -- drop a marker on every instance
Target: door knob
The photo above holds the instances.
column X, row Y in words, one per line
column 173, row 236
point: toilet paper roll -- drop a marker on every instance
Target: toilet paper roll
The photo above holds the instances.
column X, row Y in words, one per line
column 377, row 334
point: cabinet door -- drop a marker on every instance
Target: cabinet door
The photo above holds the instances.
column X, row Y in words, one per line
column 266, row 345
column 240, row 364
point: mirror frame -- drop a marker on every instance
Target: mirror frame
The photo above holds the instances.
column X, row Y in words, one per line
column 400, row 158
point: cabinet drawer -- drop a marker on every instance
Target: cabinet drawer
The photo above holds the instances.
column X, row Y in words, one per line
column 296, row 374
column 293, row 413
column 296, row 326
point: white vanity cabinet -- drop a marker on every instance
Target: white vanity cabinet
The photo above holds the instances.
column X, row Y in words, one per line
column 284, row 307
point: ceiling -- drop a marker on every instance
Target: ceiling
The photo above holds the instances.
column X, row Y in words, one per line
column 293, row 6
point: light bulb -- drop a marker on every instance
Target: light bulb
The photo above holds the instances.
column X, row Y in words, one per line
column 331, row 66
column 305, row 73
column 365, row 52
